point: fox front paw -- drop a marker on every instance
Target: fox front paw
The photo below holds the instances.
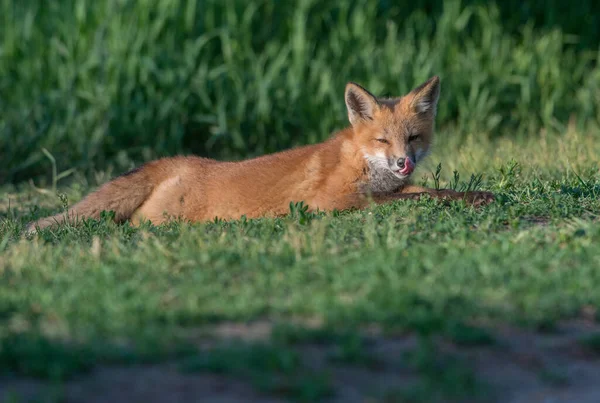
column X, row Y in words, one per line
column 479, row 198
column 476, row 198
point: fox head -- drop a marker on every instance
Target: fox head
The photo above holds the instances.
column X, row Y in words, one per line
column 393, row 134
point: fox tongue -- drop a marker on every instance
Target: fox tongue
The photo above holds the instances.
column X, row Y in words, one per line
column 408, row 167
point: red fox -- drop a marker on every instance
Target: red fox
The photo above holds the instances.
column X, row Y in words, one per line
column 370, row 161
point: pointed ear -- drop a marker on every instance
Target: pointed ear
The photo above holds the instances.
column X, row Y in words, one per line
column 361, row 104
column 426, row 95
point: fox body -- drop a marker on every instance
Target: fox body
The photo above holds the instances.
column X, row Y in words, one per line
column 370, row 161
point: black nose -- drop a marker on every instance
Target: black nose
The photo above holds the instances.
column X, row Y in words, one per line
column 401, row 162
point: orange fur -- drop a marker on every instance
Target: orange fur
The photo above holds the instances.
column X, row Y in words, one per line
column 355, row 166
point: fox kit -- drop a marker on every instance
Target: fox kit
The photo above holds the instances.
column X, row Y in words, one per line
column 370, row 161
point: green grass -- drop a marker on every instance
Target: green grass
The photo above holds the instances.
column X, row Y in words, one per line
column 79, row 296
column 106, row 84
column 88, row 89
column 272, row 369
column 444, row 377
column 591, row 343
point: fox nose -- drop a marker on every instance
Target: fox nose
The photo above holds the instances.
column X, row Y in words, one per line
column 401, row 162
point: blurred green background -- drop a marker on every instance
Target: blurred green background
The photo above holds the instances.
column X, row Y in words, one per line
column 110, row 83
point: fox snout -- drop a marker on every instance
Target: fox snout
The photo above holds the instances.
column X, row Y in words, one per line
column 401, row 162
column 403, row 166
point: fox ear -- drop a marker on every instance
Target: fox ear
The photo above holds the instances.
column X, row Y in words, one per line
column 361, row 104
column 425, row 96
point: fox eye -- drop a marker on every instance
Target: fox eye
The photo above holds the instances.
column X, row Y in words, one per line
column 413, row 137
column 384, row 141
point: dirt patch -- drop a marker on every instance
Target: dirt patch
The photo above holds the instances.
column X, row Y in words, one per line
column 520, row 366
column 137, row 384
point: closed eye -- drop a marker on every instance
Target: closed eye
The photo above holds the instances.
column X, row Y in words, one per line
column 384, row 141
column 413, row 137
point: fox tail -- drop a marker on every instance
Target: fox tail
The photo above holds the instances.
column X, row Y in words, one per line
column 123, row 195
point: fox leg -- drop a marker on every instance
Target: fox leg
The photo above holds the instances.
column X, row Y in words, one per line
column 166, row 203
column 361, row 201
column 474, row 197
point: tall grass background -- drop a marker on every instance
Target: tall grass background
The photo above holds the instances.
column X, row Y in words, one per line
column 98, row 84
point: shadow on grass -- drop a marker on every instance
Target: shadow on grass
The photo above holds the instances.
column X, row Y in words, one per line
column 581, row 191
column 279, row 365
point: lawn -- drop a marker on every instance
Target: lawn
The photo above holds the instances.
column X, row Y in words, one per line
column 412, row 301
